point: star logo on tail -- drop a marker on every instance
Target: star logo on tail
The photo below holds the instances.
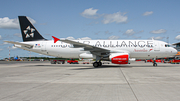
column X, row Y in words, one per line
column 29, row 32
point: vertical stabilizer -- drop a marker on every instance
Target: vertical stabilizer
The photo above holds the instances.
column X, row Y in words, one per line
column 28, row 31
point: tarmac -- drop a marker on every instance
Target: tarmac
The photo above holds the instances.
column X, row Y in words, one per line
column 42, row 81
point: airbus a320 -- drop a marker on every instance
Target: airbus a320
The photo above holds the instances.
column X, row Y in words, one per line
column 116, row 51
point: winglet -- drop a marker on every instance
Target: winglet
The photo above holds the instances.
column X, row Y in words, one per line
column 55, row 39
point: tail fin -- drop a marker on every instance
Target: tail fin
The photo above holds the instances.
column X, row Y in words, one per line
column 28, row 31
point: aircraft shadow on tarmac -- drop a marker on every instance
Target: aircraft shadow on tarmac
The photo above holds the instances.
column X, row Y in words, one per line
column 81, row 67
column 78, row 67
column 44, row 65
column 103, row 66
column 121, row 66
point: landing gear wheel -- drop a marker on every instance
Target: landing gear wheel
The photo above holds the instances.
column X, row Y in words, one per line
column 100, row 63
column 95, row 64
column 154, row 64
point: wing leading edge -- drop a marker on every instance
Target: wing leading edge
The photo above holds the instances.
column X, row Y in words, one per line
column 93, row 49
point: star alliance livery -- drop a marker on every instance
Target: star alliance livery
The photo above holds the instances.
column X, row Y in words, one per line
column 116, row 51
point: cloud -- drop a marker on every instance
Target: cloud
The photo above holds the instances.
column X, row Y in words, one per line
column 158, row 31
column 140, row 31
column 113, row 37
column 97, row 33
column 177, row 37
column 107, row 32
column 0, row 37
column 1, row 49
column 147, row 13
column 137, row 37
column 70, row 38
column 7, row 23
column 129, row 32
column 18, row 34
column 90, row 13
column 13, row 47
column 116, row 17
column 31, row 20
column 84, row 38
column 107, row 18
column 157, row 38
column 5, row 43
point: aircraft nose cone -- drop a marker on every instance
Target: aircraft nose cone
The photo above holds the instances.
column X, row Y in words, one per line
column 174, row 51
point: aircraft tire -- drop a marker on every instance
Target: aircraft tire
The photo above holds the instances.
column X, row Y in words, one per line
column 95, row 64
column 155, row 64
column 100, row 63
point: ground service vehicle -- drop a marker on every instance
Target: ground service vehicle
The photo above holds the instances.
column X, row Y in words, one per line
column 57, row 61
column 158, row 60
column 72, row 61
column 174, row 61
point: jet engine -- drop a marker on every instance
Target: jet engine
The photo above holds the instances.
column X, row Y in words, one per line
column 87, row 56
column 119, row 58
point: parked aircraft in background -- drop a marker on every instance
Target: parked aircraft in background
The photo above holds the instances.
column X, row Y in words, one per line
column 116, row 51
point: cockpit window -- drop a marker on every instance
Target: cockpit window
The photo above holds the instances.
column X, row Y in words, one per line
column 166, row 45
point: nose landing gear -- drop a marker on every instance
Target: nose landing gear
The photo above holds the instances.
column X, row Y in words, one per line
column 154, row 64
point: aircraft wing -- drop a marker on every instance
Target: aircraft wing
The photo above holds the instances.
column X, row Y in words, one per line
column 93, row 49
column 22, row 44
column 86, row 46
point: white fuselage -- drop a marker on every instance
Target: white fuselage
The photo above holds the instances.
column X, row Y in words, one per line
column 141, row 49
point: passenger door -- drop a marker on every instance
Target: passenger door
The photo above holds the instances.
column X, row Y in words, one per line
column 156, row 46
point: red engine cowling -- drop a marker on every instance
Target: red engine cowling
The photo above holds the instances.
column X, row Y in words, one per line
column 119, row 58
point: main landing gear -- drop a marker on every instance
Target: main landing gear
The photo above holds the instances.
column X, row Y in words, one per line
column 97, row 64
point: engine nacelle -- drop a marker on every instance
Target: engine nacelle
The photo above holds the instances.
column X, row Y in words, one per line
column 119, row 58
column 87, row 56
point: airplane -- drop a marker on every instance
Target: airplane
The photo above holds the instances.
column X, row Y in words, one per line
column 116, row 51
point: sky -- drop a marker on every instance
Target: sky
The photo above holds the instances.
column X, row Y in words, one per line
column 90, row 19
